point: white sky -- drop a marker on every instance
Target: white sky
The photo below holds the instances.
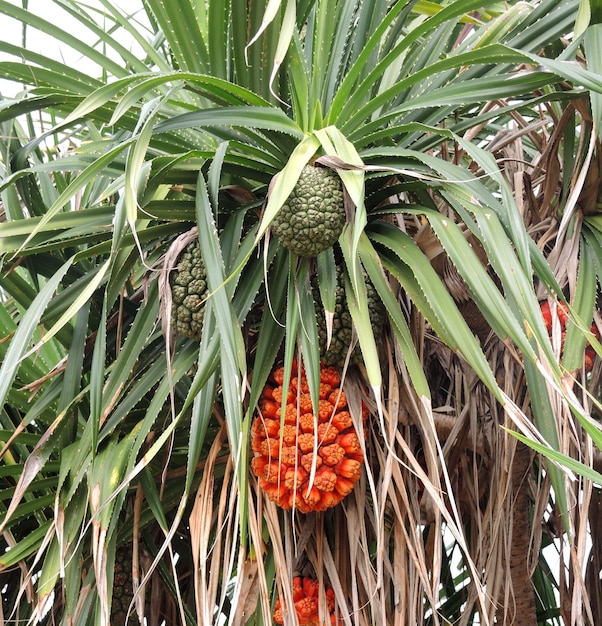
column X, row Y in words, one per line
column 11, row 32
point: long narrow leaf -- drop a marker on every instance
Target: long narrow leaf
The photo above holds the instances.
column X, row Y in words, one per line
column 447, row 319
column 27, row 326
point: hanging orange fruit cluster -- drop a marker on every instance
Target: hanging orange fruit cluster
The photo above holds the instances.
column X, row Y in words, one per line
column 563, row 314
column 326, row 444
column 305, row 597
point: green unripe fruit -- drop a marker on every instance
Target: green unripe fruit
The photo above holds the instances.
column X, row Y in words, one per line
column 188, row 292
column 313, row 216
column 123, row 591
column 342, row 324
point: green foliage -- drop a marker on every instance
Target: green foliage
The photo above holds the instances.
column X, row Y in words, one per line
column 466, row 138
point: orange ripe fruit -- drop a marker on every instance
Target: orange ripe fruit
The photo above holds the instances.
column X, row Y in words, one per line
column 307, row 461
column 563, row 315
column 306, row 598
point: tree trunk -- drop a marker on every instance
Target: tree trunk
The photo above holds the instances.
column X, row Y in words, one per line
column 517, row 607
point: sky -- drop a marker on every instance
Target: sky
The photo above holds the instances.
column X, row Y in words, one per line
column 37, row 41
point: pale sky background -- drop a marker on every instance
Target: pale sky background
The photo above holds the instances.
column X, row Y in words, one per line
column 11, row 32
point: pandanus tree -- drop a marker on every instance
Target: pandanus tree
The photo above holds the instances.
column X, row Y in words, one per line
column 299, row 314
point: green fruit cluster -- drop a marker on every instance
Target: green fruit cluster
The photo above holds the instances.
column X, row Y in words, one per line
column 313, row 216
column 342, row 325
column 188, row 292
column 123, row 591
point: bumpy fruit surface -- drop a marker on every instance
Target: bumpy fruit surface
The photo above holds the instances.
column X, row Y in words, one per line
column 563, row 315
column 305, row 597
column 188, row 292
column 122, row 588
column 313, row 216
column 342, row 325
column 327, row 442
